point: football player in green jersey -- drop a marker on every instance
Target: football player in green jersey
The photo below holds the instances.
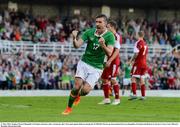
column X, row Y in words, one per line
column 100, row 43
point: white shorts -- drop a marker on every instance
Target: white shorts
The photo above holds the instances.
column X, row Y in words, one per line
column 126, row 81
column 88, row 73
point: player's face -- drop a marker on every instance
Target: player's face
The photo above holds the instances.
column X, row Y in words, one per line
column 100, row 23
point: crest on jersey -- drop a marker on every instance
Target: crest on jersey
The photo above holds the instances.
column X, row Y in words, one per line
column 91, row 38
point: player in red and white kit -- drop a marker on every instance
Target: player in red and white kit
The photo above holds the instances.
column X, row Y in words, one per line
column 139, row 65
column 110, row 72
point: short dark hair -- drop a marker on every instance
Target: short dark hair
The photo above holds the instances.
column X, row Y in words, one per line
column 113, row 24
column 102, row 16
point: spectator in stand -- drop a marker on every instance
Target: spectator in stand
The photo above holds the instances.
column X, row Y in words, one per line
column 42, row 29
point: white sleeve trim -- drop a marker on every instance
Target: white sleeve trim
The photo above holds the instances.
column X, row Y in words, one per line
column 136, row 50
column 117, row 42
column 117, row 45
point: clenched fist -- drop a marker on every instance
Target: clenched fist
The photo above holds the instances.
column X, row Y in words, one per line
column 75, row 33
column 101, row 41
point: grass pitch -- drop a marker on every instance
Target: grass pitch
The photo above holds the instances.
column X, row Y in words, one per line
column 48, row 109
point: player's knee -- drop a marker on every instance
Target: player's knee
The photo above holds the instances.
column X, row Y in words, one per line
column 105, row 81
column 142, row 81
column 133, row 80
column 77, row 84
column 85, row 90
column 113, row 81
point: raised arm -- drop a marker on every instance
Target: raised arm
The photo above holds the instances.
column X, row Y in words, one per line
column 108, row 49
column 77, row 42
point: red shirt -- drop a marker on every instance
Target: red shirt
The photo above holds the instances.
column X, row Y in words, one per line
column 142, row 49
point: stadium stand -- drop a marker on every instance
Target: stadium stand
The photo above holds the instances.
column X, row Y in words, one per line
column 36, row 50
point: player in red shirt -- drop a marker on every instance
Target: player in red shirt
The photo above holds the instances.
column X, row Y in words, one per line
column 139, row 65
column 110, row 72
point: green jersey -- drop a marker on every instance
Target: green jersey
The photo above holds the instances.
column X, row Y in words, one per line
column 127, row 70
column 94, row 55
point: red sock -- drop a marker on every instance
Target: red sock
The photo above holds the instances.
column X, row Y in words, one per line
column 106, row 90
column 134, row 88
column 143, row 90
column 116, row 91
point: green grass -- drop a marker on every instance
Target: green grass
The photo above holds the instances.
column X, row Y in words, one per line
column 48, row 109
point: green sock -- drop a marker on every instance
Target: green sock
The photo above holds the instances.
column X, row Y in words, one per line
column 71, row 101
column 72, row 97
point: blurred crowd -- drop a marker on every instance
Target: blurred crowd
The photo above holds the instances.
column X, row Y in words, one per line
column 55, row 71
column 23, row 26
column 30, row 71
column 52, row 71
column 163, row 72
